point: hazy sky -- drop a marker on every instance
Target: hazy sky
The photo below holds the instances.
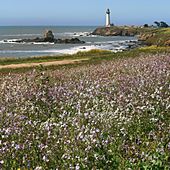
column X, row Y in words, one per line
column 82, row 12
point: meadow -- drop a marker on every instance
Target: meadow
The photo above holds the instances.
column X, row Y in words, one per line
column 112, row 114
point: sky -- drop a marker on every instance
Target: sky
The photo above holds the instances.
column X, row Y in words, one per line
column 82, row 12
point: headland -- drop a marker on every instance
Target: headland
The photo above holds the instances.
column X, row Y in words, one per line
column 147, row 35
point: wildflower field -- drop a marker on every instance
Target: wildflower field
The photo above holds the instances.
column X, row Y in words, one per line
column 107, row 116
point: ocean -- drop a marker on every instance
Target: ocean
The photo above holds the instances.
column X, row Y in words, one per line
column 11, row 49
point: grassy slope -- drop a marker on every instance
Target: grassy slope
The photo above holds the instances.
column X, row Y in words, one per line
column 159, row 38
column 151, row 36
column 95, row 56
column 92, row 55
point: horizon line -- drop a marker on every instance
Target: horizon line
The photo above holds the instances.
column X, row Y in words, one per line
column 68, row 25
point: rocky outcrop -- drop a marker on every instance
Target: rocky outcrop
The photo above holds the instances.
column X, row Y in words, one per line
column 69, row 41
column 146, row 36
column 59, row 41
column 49, row 37
column 115, row 31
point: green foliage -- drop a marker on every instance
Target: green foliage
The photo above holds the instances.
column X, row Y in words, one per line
column 158, row 37
column 146, row 25
column 161, row 24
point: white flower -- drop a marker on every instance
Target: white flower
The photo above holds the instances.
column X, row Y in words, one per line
column 77, row 167
column 1, row 162
column 38, row 168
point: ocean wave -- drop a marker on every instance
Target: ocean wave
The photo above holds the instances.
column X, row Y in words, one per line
column 72, row 50
column 27, row 51
column 75, row 50
column 41, row 43
column 19, row 35
column 114, row 46
column 85, row 48
column 76, row 34
column 9, row 41
column 13, row 41
column 116, row 41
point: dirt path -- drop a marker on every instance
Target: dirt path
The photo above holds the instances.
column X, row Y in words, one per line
column 51, row 63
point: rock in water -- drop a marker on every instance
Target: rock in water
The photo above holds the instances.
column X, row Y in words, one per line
column 48, row 36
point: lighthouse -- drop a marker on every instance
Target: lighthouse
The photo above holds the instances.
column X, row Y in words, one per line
column 108, row 18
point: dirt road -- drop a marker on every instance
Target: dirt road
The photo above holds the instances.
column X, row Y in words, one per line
column 51, row 63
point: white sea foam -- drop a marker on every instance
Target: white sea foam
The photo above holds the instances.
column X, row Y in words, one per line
column 13, row 41
column 81, row 34
column 9, row 41
column 114, row 46
column 76, row 34
column 53, row 51
column 41, row 43
column 73, row 50
column 85, row 48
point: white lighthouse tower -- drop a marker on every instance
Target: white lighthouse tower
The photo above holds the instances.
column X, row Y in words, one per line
column 108, row 18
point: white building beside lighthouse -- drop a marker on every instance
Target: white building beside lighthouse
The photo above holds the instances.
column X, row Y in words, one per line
column 108, row 24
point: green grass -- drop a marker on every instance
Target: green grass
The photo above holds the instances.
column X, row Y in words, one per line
column 95, row 57
column 7, row 61
column 79, row 55
column 155, row 36
column 159, row 38
column 92, row 55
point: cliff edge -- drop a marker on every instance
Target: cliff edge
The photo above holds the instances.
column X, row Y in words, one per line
column 149, row 36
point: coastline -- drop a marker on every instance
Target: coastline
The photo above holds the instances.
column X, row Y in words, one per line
column 146, row 35
column 113, row 46
column 12, row 45
column 90, row 52
column 135, row 82
column 21, row 65
column 136, row 37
